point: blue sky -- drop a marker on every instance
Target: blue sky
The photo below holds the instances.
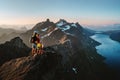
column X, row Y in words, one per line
column 90, row 12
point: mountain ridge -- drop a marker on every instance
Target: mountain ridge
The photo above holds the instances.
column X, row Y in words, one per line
column 13, row 49
column 47, row 27
column 71, row 55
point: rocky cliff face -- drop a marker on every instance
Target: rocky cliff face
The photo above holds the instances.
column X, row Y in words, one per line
column 13, row 49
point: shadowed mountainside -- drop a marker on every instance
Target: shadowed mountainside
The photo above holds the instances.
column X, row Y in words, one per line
column 49, row 66
column 114, row 34
column 13, row 49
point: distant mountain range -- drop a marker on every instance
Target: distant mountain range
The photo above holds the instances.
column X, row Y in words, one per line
column 18, row 27
column 114, row 34
column 104, row 27
column 6, row 34
column 6, row 31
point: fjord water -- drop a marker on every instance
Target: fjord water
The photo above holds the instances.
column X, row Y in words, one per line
column 110, row 49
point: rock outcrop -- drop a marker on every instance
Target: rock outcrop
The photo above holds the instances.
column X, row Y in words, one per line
column 40, row 67
column 13, row 49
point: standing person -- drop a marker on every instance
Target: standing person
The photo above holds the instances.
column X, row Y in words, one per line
column 33, row 42
column 39, row 45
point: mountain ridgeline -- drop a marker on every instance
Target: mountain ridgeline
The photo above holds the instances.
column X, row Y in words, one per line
column 69, row 54
column 13, row 49
column 56, row 33
column 114, row 34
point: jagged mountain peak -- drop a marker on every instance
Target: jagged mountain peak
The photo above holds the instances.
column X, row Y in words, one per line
column 61, row 22
column 45, row 23
column 13, row 49
column 64, row 25
column 17, row 41
column 47, row 20
column 44, row 26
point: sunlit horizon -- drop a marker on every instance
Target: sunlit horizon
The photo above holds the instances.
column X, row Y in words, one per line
column 85, row 12
column 37, row 20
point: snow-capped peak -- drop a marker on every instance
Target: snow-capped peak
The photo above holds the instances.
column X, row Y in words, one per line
column 61, row 22
column 64, row 28
column 64, row 25
column 74, row 25
column 45, row 29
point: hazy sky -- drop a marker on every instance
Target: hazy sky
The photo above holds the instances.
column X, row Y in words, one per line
column 89, row 12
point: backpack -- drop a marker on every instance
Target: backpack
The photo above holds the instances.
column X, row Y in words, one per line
column 39, row 46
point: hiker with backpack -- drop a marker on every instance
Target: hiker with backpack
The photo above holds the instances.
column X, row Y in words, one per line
column 36, row 44
column 33, row 42
column 39, row 45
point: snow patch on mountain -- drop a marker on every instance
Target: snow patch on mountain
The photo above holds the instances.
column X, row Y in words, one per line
column 67, row 27
column 61, row 23
column 45, row 29
column 63, row 27
column 74, row 25
column 49, row 33
column 69, row 34
column 74, row 69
